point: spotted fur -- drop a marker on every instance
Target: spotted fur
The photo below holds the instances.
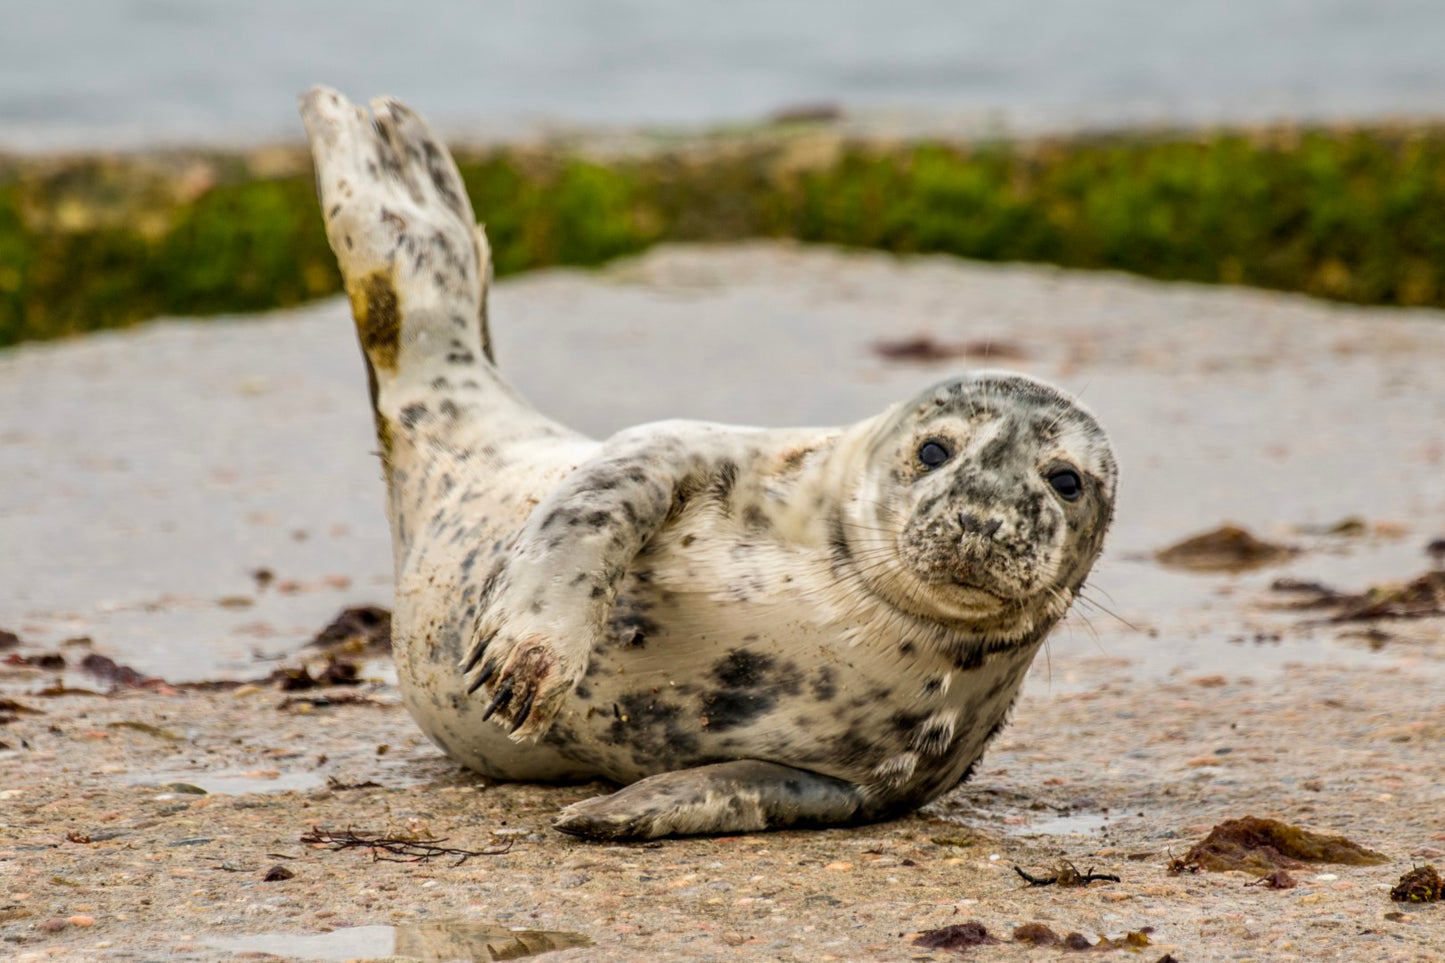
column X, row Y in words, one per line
column 753, row 628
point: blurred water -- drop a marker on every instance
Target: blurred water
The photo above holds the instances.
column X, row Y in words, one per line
column 108, row 73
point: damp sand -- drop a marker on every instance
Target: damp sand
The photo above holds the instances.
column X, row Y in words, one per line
column 154, row 472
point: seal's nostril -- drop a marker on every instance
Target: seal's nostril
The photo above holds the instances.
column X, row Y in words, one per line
column 973, row 525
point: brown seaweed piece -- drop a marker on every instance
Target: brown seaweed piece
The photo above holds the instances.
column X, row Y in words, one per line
column 360, row 628
column 1416, row 599
column 924, row 349
column 959, row 936
column 1420, row 885
column 106, row 669
column 1419, row 598
column 1264, row 846
column 1228, row 548
column 1036, row 934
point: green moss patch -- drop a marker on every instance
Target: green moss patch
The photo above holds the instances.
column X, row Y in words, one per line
column 1356, row 215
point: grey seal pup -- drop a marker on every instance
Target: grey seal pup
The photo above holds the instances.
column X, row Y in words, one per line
column 748, row 628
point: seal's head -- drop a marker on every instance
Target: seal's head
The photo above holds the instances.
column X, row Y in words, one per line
column 984, row 501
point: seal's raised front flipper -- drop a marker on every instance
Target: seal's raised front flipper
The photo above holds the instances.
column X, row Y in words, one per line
column 742, row 796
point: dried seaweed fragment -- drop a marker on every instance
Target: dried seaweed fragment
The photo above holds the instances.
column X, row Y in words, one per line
column 403, row 848
column 106, row 669
column 959, row 936
column 10, row 709
column 1420, row 885
column 1067, row 874
column 1036, row 934
column 336, row 671
column 1263, row 846
column 1276, row 880
column 1419, row 598
column 361, row 628
column 1132, row 940
column 1228, row 548
column 925, row 349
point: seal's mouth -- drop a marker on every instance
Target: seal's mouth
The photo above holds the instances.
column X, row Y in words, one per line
column 974, row 594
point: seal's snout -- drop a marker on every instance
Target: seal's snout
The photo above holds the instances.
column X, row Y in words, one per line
column 971, row 524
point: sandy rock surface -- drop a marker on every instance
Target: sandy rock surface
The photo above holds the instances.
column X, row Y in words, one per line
column 152, row 473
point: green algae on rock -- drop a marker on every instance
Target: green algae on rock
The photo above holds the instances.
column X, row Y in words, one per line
column 1346, row 213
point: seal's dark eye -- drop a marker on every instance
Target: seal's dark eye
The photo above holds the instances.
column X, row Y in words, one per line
column 933, row 453
column 1067, row 483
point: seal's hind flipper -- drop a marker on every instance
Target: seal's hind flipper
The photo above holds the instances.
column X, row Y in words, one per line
column 415, row 265
column 417, row 269
column 742, row 796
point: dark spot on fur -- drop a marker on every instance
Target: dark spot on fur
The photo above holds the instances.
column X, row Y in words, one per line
column 725, row 476
column 629, row 625
column 838, row 541
column 824, row 684
column 654, row 729
column 412, row 414
column 905, row 722
column 727, row 709
column 750, row 685
column 969, row 660
column 853, row 748
column 932, row 738
column 602, row 482
column 742, row 669
column 905, row 647
column 793, row 460
column 378, row 322
column 754, row 517
column 449, row 408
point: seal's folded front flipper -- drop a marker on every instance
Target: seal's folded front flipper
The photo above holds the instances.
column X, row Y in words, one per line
column 742, row 796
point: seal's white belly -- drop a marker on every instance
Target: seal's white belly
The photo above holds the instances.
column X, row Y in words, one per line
column 725, row 645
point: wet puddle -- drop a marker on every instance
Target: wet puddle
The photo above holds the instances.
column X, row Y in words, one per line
column 1062, row 824
column 425, row 941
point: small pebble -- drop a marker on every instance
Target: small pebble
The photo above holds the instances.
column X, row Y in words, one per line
column 54, row 925
column 81, row 921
